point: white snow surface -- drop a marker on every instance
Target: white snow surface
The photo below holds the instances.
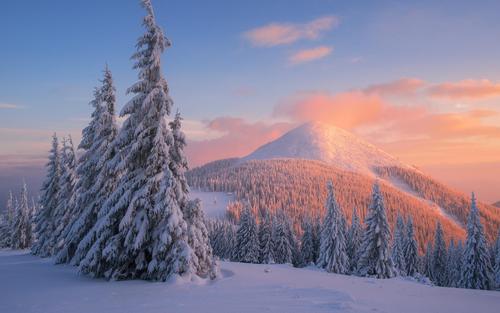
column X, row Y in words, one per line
column 30, row 284
column 327, row 143
column 214, row 204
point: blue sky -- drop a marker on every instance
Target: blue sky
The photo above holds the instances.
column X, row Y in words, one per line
column 53, row 52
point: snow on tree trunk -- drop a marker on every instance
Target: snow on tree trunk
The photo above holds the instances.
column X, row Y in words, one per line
column 375, row 259
column 333, row 255
column 141, row 230
column 476, row 273
column 410, row 249
column 95, row 170
column 247, row 242
column 44, row 220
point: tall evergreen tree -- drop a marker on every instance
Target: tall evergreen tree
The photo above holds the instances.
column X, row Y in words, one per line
column 316, row 238
column 476, row 273
column 410, row 249
column 497, row 261
column 44, row 220
column 354, row 237
column 283, row 248
column 198, row 240
column 333, row 255
column 266, row 239
column 398, row 246
column 439, row 258
column 307, row 242
column 375, row 259
column 426, row 262
column 98, row 173
column 247, row 241
column 454, row 264
column 141, row 231
column 6, row 222
column 21, row 232
column 67, row 181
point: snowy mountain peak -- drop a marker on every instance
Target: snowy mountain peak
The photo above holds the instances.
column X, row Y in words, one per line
column 327, row 143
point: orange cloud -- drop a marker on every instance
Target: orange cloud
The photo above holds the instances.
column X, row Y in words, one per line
column 466, row 90
column 308, row 55
column 346, row 110
column 276, row 34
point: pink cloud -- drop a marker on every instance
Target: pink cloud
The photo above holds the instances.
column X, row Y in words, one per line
column 308, row 55
column 466, row 90
column 239, row 138
column 401, row 87
column 275, row 34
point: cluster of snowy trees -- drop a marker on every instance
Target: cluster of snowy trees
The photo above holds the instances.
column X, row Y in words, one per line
column 16, row 223
column 364, row 250
column 297, row 186
column 121, row 209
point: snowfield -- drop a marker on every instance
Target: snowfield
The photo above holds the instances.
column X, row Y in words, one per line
column 30, row 284
column 214, row 204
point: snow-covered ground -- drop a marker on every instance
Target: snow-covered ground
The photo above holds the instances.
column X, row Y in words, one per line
column 30, row 284
column 214, row 204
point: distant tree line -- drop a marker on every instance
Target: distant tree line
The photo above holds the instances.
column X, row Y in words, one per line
column 364, row 249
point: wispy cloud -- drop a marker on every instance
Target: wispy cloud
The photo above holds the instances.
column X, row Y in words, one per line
column 468, row 89
column 10, row 106
column 275, row 34
column 309, row 55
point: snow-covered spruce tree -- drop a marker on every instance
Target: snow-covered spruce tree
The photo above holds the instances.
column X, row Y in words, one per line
column 410, row 249
column 197, row 232
column 497, row 261
column 307, row 243
column 21, row 237
column 44, row 219
column 6, row 222
column 229, row 239
column 266, row 239
column 283, row 248
column 426, row 261
column 67, row 181
column 247, row 242
column 141, row 231
column 453, row 264
column 316, row 238
column 332, row 254
column 198, row 240
column 398, row 246
column 476, row 272
column 375, row 259
column 354, row 237
column 439, row 258
column 97, row 138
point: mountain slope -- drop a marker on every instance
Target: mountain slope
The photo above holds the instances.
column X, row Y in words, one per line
column 291, row 172
column 329, row 144
column 497, row 204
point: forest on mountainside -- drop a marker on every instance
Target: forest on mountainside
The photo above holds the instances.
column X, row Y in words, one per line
column 298, row 187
